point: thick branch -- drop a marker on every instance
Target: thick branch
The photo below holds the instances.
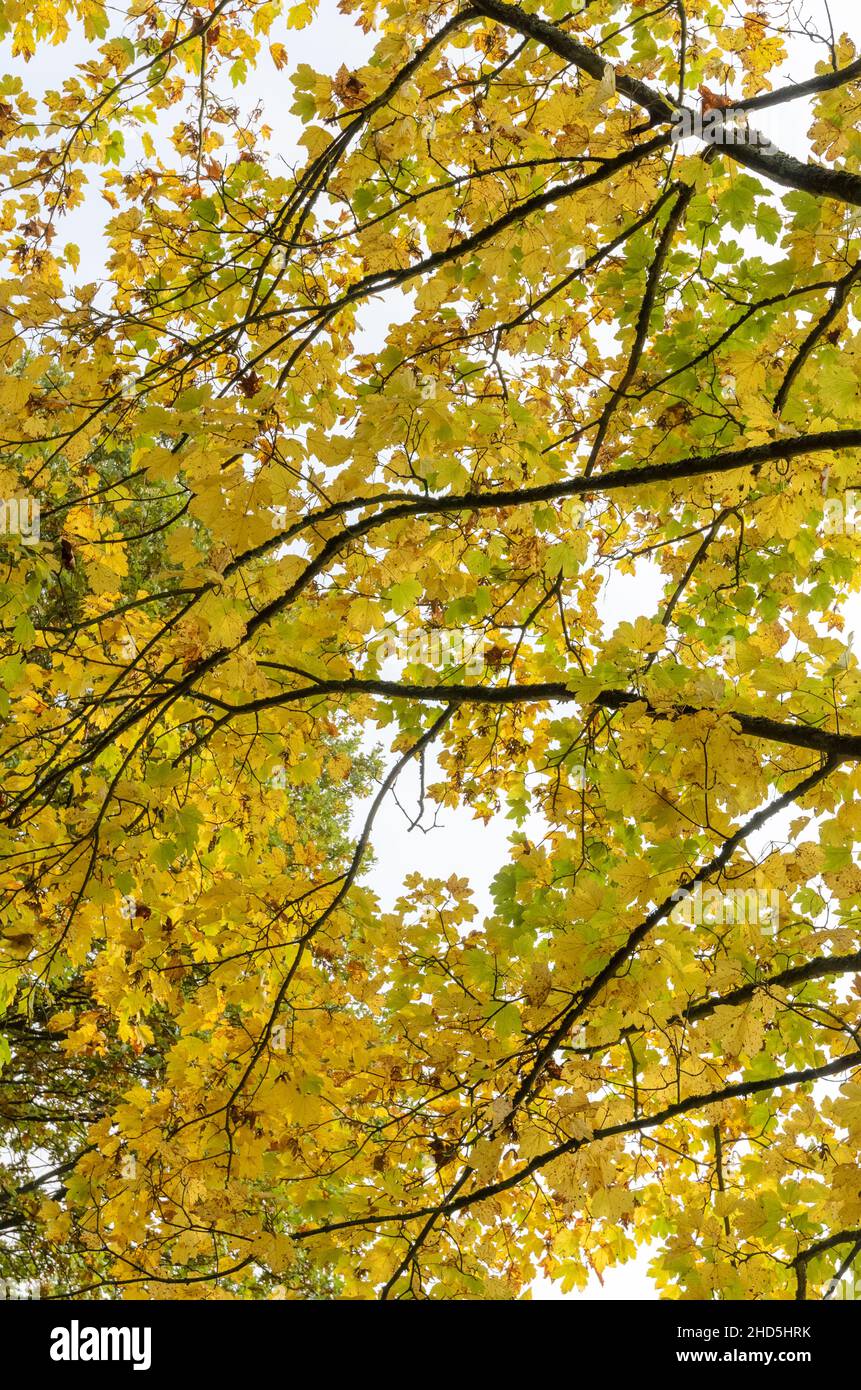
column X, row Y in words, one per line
column 739, row 1090
column 773, row 164
column 841, row 747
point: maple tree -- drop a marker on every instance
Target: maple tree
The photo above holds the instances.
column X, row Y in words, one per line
column 228, row 1072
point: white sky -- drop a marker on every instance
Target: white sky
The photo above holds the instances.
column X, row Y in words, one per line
column 460, row 844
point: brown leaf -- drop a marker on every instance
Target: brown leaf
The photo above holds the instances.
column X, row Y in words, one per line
column 712, row 101
column 249, row 384
column 348, row 88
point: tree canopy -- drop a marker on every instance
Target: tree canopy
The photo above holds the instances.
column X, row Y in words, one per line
column 230, row 1070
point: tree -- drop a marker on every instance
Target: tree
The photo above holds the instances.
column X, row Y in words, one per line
column 611, row 343
column 59, row 1084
